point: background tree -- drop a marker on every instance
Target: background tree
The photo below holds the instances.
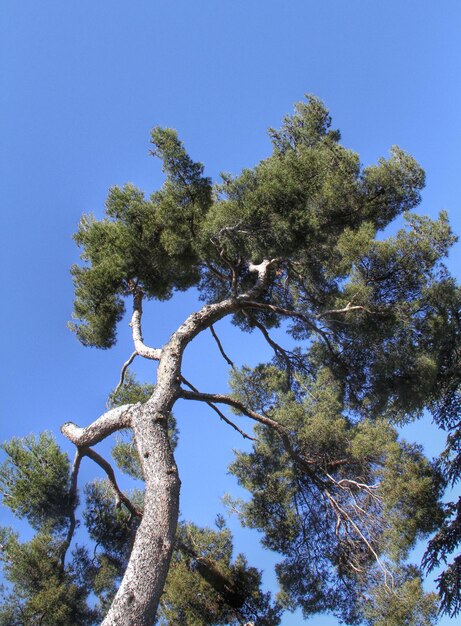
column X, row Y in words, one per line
column 296, row 242
column 443, row 549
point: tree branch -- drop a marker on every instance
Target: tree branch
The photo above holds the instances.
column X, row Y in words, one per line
column 120, row 497
column 282, row 431
column 262, row 269
column 108, row 423
column 346, row 309
column 278, row 350
column 220, row 413
column 125, row 366
column 293, row 314
column 140, row 347
column 72, row 506
column 211, row 313
column 221, row 349
column 223, row 399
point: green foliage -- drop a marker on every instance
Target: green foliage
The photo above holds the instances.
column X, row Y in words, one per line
column 390, row 350
column 142, row 243
column 35, row 481
column 301, row 204
column 403, row 603
column 443, row 549
column 111, row 527
column 126, row 457
column 42, row 591
column 130, row 392
column 205, row 587
column 348, row 498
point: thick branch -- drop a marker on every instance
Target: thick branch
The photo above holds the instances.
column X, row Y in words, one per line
column 112, row 421
column 208, row 315
column 140, row 347
column 262, row 269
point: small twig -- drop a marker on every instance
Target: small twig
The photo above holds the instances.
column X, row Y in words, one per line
column 274, row 345
column 220, row 347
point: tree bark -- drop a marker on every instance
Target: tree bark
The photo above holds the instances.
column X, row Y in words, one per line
column 139, row 594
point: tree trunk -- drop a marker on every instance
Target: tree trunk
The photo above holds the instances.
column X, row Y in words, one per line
column 139, row 594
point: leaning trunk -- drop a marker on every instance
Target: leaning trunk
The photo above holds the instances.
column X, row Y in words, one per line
column 139, row 594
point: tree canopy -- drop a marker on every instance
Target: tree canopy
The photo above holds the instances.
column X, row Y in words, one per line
column 299, row 242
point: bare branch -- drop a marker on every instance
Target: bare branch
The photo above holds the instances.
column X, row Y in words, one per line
column 140, row 347
column 220, row 413
column 222, row 277
column 289, row 313
column 346, row 309
column 221, row 349
column 108, row 423
column 120, row 497
column 345, row 515
column 223, row 399
column 126, row 365
column 283, row 432
column 72, row 506
column 273, row 344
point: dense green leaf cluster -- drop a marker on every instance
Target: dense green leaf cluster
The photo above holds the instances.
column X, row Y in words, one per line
column 141, row 242
column 42, row 589
column 405, row 604
column 34, row 481
column 310, row 203
column 43, row 592
column 205, row 586
column 443, row 549
column 348, row 500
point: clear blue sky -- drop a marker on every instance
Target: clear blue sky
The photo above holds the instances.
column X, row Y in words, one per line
column 81, row 84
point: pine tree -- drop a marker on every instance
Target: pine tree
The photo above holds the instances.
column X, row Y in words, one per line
column 297, row 243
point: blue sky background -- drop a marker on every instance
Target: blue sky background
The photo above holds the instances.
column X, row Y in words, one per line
column 81, row 84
